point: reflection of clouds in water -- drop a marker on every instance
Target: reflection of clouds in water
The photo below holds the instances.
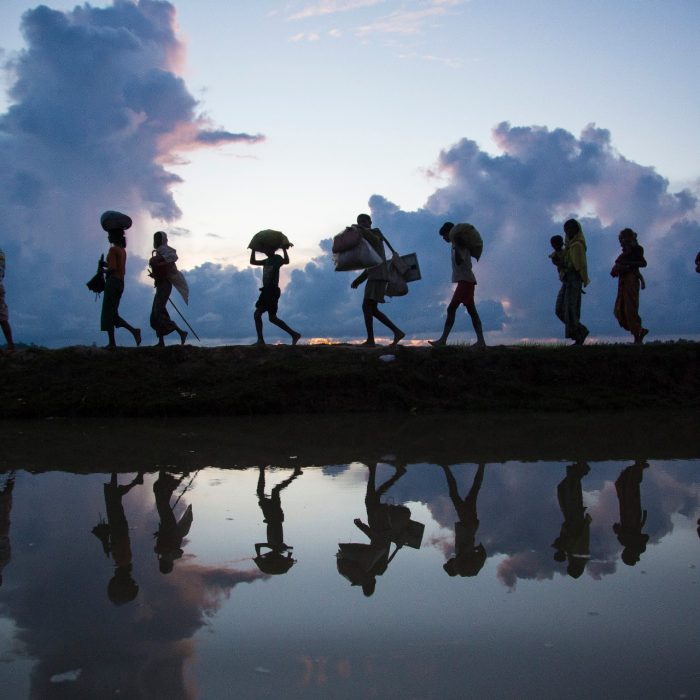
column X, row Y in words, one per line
column 139, row 649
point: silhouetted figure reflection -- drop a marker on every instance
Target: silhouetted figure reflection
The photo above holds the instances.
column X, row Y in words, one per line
column 632, row 517
column 114, row 535
column 386, row 523
column 171, row 531
column 278, row 560
column 573, row 543
column 469, row 558
column 5, row 509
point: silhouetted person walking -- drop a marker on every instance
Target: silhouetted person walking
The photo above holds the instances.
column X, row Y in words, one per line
column 268, row 300
column 463, row 275
column 377, row 278
column 469, row 558
column 114, row 535
column 568, row 308
column 629, row 282
column 4, row 312
column 278, row 560
column 632, row 517
column 162, row 265
column 573, row 543
column 171, row 531
column 114, row 288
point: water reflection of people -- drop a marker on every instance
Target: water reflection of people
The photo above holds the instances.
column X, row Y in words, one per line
column 114, row 535
column 573, row 543
column 386, row 523
column 171, row 531
column 632, row 517
column 5, row 509
column 469, row 558
column 278, row 560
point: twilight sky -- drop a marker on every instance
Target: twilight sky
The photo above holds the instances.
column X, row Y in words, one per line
column 214, row 119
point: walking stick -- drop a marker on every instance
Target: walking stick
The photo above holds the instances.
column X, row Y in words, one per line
column 185, row 320
column 186, row 487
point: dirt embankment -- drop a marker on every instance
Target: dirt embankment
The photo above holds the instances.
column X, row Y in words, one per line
column 238, row 380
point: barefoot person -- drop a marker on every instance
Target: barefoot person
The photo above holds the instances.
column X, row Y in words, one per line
column 270, row 293
column 629, row 282
column 377, row 278
column 463, row 275
column 568, row 307
column 114, row 287
column 162, row 264
column 4, row 313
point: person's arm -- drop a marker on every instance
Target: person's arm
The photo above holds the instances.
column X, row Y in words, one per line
column 285, row 257
column 254, row 260
column 359, row 279
column 363, row 527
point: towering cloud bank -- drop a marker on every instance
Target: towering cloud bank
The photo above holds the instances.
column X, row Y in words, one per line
column 97, row 113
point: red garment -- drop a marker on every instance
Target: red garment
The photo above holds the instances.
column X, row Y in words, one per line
column 464, row 293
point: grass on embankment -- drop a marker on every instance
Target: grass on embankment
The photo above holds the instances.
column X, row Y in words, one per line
column 240, row 380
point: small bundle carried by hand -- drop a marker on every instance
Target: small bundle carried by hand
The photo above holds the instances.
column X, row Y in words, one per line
column 115, row 220
column 466, row 236
column 96, row 283
column 269, row 239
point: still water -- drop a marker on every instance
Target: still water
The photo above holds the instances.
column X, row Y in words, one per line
column 370, row 556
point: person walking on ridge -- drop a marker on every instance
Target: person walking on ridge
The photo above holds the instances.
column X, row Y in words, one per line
column 629, row 282
column 463, row 275
column 568, row 308
column 375, row 288
column 270, row 293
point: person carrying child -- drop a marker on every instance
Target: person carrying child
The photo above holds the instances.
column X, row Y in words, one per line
column 463, row 275
column 568, row 308
column 629, row 282
column 270, row 292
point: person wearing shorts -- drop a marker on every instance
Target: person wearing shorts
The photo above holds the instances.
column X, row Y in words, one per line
column 270, row 293
column 463, row 275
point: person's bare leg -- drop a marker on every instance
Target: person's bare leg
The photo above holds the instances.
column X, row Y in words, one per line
column 5, row 325
column 476, row 322
column 383, row 318
column 281, row 324
column 257, row 317
column 368, row 306
column 449, row 322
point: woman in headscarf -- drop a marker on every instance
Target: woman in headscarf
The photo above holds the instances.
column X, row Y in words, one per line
column 629, row 282
column 164, row 273
column 568, row 307
column 114, row 288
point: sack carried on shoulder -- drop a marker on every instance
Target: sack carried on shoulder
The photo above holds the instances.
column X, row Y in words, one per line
column 347, row 239
column 466, row 236
column 360, row 257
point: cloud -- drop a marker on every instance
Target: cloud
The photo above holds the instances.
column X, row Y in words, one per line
column 97, row 111
column 331, row 7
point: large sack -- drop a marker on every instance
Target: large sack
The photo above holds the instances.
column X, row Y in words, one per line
column 268, row 238
column 115, row 220
column 466, row 236
column 347, row 239
column 360, row 257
